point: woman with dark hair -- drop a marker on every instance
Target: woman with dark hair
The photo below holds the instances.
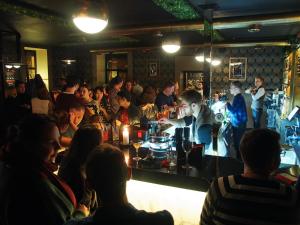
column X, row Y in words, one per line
column 103, row 104
column 29, row 191
column 41, row 101
column 84, row 141
column 115, row 87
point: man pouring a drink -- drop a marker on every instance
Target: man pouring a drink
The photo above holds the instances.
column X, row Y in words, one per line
column 193, row 112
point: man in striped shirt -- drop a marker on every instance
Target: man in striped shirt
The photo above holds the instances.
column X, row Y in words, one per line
column 253, row 197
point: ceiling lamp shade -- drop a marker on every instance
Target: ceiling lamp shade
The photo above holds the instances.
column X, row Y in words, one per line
column 199, row 58
column 214, row 62
column 90, row 22
column 171, row 46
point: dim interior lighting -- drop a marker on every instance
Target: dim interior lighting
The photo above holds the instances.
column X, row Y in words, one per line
column 215, row 62
column 208, row 60
column 254, row 28
column 199, row 58
column 91, row 22
column 171, row 45
column 68, row 61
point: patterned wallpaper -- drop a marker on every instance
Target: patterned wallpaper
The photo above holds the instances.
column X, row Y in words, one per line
column 266, row 62
column 82, row 68
column 140, row 67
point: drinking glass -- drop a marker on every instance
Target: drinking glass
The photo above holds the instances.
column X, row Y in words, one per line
column 187, row 147
column 137, row 144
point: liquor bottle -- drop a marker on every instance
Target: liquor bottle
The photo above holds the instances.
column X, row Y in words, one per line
column 179, row 149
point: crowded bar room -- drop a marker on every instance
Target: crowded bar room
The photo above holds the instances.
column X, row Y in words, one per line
column 149, row 112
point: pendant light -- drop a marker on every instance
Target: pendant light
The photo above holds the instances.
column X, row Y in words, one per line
column 171, row 45
column 91, row 20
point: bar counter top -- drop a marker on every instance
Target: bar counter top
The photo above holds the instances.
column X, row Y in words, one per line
column 198, row 178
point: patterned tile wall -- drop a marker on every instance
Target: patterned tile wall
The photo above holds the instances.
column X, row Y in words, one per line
column 266, row 62
column 82, row 68
column 166, row 67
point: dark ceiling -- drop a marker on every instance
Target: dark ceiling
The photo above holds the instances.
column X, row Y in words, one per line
column 144, row 23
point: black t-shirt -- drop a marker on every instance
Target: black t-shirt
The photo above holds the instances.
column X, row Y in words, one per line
column 163, row 99
column 126, row 215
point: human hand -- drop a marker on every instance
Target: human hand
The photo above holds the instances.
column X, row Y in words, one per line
column 163, row 120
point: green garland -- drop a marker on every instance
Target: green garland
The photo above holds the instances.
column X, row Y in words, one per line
column 179, row 8
column 26, row 11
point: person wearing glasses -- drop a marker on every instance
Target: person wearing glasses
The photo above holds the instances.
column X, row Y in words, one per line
column 193, row 112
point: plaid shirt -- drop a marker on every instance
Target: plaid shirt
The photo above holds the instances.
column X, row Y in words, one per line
column 237, row 110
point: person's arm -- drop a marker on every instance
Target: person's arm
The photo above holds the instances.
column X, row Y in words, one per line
column 258, row 94
column 174, row 122
column 105, row 114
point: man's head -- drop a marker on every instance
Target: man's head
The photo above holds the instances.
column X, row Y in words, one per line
column 20, row 86
column 107, row 173
column 191, row 102
column 72, row 82
column 260, row 151
column 124, row 99
column 235, row 87
column 259, row 81
column 169, row 88
column 76, row 113
column 116, row 83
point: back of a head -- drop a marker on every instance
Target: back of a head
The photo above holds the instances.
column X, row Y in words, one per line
column 84, row 141
column 191, row 96
column 71, row 82
column 106, row 170
column 168, row 84
column 125, row 94
column 237, row 84
column 116, row 80
column 260, row 150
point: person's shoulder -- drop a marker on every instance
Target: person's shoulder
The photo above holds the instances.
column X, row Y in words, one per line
column 163, row 217
column 84, row 221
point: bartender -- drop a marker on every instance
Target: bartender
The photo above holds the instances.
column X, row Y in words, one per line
column 195, row 113
column 258, row 95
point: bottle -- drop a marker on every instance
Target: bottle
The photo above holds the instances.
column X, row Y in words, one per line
column 179, row 149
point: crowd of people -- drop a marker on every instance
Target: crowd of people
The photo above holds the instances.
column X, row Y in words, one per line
column 90, row 185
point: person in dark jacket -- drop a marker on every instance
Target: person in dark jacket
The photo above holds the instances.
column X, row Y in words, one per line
column 238, row 115
column 30, row 193
column 71, row 169
column 107, row 173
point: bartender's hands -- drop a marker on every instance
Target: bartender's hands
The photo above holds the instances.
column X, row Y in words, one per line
column 164, row 120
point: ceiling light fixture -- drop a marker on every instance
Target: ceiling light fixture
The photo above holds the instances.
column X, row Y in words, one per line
column 68, row 61
column 199, row 58
column 91, row 22
column 214, row 62
column 171, row 45
column 8, row 66
column 254, row 28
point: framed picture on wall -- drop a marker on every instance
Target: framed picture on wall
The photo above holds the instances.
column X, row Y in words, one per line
column 237, row 68
column 153, row 68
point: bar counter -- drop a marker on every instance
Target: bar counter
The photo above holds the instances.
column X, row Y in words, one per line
column 181, row 194
column 197, row 179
